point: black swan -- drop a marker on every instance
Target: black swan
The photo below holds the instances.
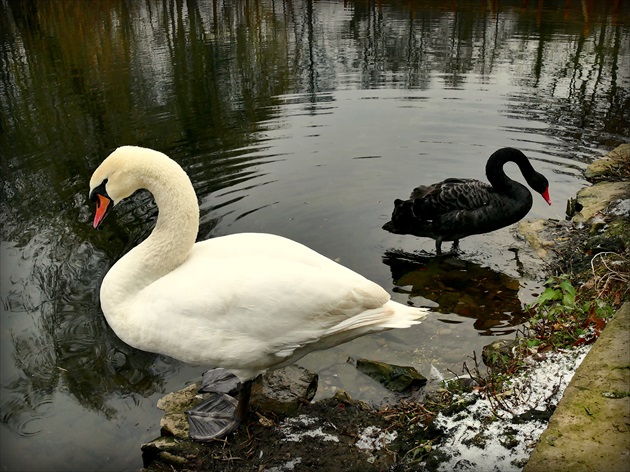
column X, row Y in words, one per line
column 456, row 208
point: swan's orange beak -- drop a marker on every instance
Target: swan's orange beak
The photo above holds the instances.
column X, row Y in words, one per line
column 545, row 195
column 102, row 208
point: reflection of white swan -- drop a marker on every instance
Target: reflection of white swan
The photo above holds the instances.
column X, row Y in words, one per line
column 245, row 302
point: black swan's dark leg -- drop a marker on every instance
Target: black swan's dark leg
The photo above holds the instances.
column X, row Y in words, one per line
column 455, row 246
column 438, row 246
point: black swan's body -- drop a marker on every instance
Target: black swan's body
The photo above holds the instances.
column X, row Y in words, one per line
column 456, row 208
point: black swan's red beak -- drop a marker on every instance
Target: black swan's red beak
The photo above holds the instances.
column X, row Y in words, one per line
column 545, row 195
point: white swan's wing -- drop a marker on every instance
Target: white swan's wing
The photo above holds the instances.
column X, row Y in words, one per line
column 247, row 312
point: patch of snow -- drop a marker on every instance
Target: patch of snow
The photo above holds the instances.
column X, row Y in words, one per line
column 302, row 420
column 621, row 208
column 294, row 430
column 311, row 433
column 373, row 438
column 487, row 436
column 290, row 465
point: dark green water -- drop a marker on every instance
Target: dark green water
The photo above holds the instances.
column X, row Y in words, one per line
column 305, row 119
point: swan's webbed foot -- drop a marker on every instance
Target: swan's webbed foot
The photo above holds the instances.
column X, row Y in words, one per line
column 220, row 413
column 213, row 418
column 220, row 380
column 455, row 247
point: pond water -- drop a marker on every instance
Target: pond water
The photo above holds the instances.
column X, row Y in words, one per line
column 305, row 119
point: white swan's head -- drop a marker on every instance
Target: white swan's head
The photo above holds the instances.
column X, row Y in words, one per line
column 122, row 173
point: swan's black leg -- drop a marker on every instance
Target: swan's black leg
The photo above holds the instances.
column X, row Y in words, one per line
column 243, row 401
column 455, row 247
column 438, row 246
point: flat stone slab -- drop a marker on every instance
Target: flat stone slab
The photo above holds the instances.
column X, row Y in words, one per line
column 590, row 429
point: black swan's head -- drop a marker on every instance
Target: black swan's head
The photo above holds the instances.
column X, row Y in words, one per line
column 402, row 217
column 539, row 183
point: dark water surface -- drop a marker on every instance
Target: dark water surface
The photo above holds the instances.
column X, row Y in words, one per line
column 305, row 119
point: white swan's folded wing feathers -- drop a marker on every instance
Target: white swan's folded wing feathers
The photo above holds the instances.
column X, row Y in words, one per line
column 274, row 308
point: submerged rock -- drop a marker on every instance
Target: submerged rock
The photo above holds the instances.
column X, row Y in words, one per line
column 537, row 234
column 396, row 378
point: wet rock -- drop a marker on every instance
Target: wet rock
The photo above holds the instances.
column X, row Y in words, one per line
column 394, row 377
column 159, row 444
column 614, row 165
column 596, row 198
column 180, row 400
column 499, row 354
column 342, row 397
column 174, row 422
column 282, row 391
column 176, row 425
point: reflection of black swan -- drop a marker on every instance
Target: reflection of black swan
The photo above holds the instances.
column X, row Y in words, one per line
column 456, row 208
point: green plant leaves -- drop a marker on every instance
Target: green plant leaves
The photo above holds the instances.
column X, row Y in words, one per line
column 560, row 319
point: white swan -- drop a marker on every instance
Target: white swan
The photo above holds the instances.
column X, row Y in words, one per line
column 245, row 302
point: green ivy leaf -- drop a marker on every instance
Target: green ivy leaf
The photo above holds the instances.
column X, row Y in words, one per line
column 567, row 287
column 549, row 294
column 568, row 300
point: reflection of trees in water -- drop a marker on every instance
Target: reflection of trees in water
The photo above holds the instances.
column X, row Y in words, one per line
column 201, row 80
column 206, row 74
column 581, row 83
column 581, row 88
column 461, row 287
column 69, row 345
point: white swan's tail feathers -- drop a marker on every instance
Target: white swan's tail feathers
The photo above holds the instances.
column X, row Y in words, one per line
column 404, row 316
column 391, row 315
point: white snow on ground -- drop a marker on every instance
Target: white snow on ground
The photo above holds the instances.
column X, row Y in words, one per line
column 483, row 437
column 373, row 438
column 295, row 429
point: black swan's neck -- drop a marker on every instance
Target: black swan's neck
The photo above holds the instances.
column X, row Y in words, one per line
column 495, row 173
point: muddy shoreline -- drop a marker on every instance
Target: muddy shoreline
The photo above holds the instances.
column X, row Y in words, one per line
column 341, row 434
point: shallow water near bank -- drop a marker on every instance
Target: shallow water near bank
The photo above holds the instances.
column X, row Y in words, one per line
column 302, row 119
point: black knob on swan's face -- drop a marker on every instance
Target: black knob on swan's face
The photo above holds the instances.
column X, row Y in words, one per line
column 539, row 183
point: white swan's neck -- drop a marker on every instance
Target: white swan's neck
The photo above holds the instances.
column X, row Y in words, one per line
column 170, row 242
